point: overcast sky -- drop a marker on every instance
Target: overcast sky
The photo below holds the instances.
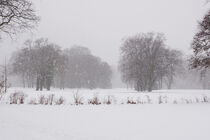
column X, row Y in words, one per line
column 101, row 25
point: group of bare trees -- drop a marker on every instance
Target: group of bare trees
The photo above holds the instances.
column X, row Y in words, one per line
column 15, row 16
column 86, row 70
column 37, row 60
column 43, row 64
column 146, row 62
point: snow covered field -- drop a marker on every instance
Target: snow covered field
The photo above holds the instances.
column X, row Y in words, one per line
column 148, row 121
column 116, row 96
column 120, row 122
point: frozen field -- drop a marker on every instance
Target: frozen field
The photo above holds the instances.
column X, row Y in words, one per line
column 116, row 96
column 147, row 121
column 119, row 122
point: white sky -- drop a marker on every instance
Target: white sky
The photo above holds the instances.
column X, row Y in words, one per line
column 100, row 25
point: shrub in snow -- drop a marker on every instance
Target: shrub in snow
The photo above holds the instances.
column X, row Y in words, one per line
column 205, row 99
column 60, row 101
column 13, row 98
column 41, row 99
column 197, row 100
column 50, row 99
column 130, row 101
column 94, row 100
column 17, row 98
column 160, row 100
column 109, row 100
column 46, row 100
column 77, row 98
column 175, row 102
column 21, row 98
column 187, row 101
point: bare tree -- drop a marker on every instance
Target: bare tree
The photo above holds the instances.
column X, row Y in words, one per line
column 16, row 16
column 37, row 60
column 45, row 57
column 61, row 71
column 22, row 63
column 86, row 70
column 145, row 61
column 174, row 66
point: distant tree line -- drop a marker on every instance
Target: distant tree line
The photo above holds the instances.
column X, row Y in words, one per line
column 42, row 64
column 146, row 63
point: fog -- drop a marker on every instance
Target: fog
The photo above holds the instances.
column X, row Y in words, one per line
column 101, row 25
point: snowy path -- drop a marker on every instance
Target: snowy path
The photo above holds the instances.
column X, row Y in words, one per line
column 115, row 122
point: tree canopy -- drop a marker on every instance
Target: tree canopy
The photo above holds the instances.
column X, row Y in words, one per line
column 145, row 62
column 45, row 64
column 16, row 16
column 201, row 44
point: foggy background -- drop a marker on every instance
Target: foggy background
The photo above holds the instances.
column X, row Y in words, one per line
column 101, row 25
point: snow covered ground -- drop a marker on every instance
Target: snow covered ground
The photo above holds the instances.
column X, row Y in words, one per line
column 117, row 96
column 148, row 121
column 119, row 122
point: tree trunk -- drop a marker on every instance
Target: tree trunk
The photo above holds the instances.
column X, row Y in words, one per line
column 37, row 83
column 41, row 84
column 23, row 80
column 48, row 83
column 150, row 85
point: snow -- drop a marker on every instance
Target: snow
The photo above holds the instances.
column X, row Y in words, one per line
column 107, row 122
column 118, row 96
column 123, row 122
